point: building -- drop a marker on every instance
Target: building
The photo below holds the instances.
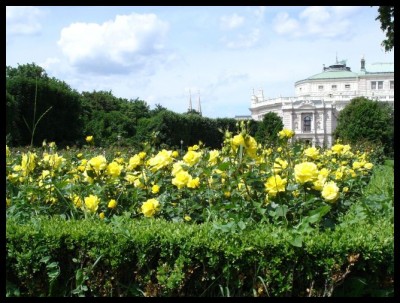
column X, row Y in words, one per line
column 312, row 113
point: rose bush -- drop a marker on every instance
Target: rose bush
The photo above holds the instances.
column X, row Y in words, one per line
column 243, row 183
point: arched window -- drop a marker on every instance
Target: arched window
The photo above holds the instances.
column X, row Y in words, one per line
column 307, row 124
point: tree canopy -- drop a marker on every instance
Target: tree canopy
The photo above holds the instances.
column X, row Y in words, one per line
column 268, row 129
column 386, row 18
column 365, row 120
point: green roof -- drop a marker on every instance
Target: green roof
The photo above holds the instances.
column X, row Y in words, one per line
column 340, row 71
column 380, row 67
column 332, row 74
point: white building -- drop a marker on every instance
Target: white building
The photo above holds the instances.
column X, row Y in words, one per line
column 313, row 112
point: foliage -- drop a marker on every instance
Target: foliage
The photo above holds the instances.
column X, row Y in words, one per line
column 386, row 18
column 172, row 128
column 61, row 124
column 242, row 183
column 110, row 119
column 269, row 128
column 367, row 120
column 240, row 221
column 12, row 119
column 132, row 258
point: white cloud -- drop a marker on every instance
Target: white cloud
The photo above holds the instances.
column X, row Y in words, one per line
column 49, row 63
column 283, row 24
column 345, row 11
column 231, row 22
column 259, row 12
column 127, row 43
column 316, row 22
column 23, row 20
column 243, row 40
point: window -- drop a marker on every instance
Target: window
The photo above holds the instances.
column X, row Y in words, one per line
column 347, row 86
column 334, row 87
column 376, row 84
column 307, row 124
column 320, row 87
column 391, row 84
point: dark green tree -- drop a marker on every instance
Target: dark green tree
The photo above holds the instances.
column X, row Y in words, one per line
column 386, row 18
column 365, row 120
column 111, row 120
column 33, row 95
column 268, row 129
column 12, row 119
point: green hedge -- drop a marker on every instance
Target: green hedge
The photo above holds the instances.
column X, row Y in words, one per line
column 55, row 257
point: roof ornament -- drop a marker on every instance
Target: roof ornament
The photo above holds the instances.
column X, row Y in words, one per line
column 199, row 105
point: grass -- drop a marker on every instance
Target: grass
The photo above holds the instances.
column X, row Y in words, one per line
column 382, row 181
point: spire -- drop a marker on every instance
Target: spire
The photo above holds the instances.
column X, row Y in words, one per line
column 363, row 63
column 190, row 101
column 336, row 58
column 199, row 106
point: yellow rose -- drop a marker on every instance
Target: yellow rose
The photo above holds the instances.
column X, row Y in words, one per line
column 337, row 148
column 193, row 183
column 251, row 146
column 177, row 167
column 279, row 165
column 28, row 162
column 92, row 203
column 98, row 163
column 330, row 192
column 181, row 179
column 114, row 169
column 187, row 218
column 306, row 172
column 134, row 162
column 275, row 184
column 214, row 154
column 192, row 157
column 150, row 207
column 286, row 133
column 162, row 159
column 238, row 140
column 155, row 189
column 319, row 183
column 324, row 172
column 89, row 139
column 112, row 204
column 311, row 152
column 368, row 165
column 77, row 201
column 357, row 165
column 101, row 215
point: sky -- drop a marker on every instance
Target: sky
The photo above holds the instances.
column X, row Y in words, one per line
column 169, row 55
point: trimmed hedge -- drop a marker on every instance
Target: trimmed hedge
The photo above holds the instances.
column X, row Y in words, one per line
column 56, row 257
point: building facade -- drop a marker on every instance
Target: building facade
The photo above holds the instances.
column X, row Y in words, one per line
column 312, row 113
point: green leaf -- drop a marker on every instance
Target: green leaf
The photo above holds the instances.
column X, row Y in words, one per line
column 296, row 241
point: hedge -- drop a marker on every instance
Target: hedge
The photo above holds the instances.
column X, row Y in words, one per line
column 127, row 258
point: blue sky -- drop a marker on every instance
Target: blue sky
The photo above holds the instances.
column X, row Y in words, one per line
column 163, row 54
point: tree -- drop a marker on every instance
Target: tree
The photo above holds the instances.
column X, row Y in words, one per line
column 365, row 120
column 268, row 129
column 386, row 17
column 30, row 93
